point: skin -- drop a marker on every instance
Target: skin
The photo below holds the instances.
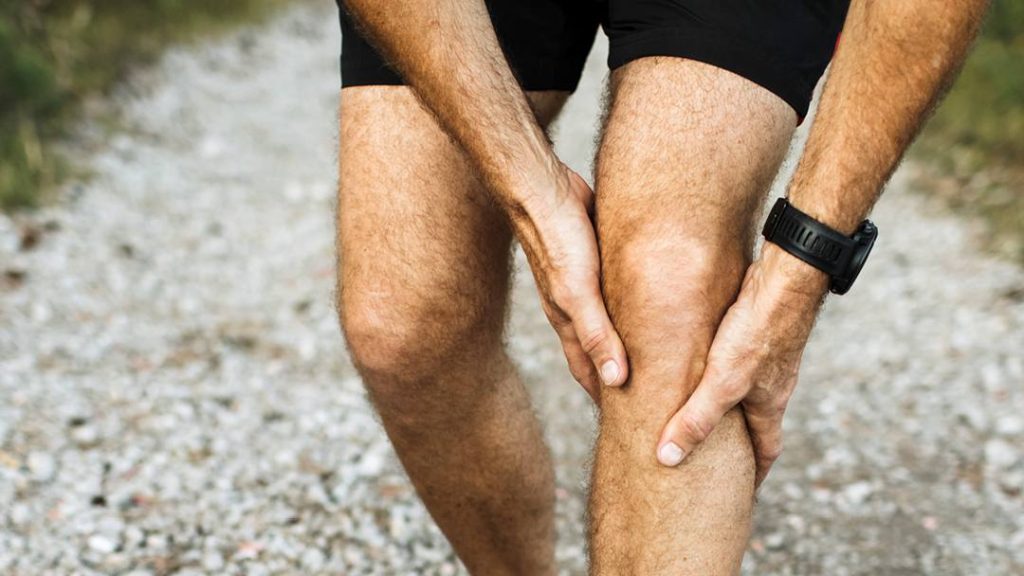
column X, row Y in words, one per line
column 456, row 67
column 894, row 63
column 424, row 260
column 669, row 276
column 714, row 338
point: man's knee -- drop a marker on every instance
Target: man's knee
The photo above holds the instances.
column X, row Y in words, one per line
column 399, row 341
column 668, row 295
column 667, row 299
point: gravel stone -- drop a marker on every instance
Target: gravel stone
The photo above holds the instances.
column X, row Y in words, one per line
column 1000, row 453
column 85, row 436
column 42, row 466
column 1010, row 426
column 175, row 387
column 102, row 544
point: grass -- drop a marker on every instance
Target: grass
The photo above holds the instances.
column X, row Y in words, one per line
column 55, row 53
column 974, row 146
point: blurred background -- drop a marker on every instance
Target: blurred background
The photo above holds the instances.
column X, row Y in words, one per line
column 175, row 397
column 56, row 53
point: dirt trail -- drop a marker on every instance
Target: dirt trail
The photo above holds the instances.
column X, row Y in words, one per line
column 174, row 395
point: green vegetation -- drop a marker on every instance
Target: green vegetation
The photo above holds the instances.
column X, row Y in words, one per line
column 977, row 135
column 53, row 53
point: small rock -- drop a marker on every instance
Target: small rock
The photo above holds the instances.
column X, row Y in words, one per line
column 313, row 559
column 858, row 492
column 1000, row 453
column 1010, row 426
column 974, row 416
column 41, row 466
column 20, row 514
column 85, row 436
column 14, row 277
column 30, row 237
column 133, row 536
column 1012, row 483
column 102, row 544
column 775, row 540
column 156, row 542
column 248, row 550
column 371, row 464
column 796, row 523
column 213, row 561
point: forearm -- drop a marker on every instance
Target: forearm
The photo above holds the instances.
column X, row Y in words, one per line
column 894, row 62
column 448, row 52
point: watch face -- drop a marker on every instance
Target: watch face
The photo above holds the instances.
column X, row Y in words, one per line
column 865, row 241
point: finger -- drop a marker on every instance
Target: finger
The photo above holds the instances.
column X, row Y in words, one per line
column 766, row 435
column 583, row 191
column 579, row 363
column 598, row 338
column 692, row 424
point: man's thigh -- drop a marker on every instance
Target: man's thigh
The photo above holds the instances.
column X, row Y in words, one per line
column 423, row 252
column 687, row 156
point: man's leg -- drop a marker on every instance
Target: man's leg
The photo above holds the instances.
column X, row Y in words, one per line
column 423, row 274
column 687, row 155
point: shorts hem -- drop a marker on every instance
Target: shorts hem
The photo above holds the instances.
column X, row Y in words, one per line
column 716, row 51
column 558, row 80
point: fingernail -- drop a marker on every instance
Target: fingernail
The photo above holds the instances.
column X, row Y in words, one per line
column 609, row 372
column 670, row 454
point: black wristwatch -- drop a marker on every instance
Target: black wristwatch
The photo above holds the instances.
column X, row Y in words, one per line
column 839, row 256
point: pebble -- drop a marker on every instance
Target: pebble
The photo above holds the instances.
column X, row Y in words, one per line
column 313, row 559
column 102, row 544
column 213, row 561
column 774, row 540
column 85, row 436
column 1000, row 453
column 19, row 514
column 41, row 466
column 856, row 493
column 1010, row 426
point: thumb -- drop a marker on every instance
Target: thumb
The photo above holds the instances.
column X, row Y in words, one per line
column 582, row 190
column 691, row 425
column 598, row 338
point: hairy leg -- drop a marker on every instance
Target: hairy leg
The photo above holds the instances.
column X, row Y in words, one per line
column 423, row 276
column 687, row 156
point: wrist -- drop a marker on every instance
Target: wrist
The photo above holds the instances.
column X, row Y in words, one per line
column 529, row 188
column 790, row 277
column 534, row 193
column 826, row 206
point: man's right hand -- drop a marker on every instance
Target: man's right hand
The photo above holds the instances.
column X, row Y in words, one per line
column 557, row 234
column 454, row 63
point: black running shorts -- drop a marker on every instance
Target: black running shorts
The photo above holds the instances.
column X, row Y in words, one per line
column 782, row 45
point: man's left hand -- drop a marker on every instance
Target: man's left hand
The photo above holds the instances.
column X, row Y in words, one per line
column 754, row 359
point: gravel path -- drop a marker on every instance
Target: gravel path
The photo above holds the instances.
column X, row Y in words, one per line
column 175, row 398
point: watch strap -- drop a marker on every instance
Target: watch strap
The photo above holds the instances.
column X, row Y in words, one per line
column 807, row 239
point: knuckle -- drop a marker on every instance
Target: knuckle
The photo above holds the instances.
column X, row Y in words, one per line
column 560, row 322
column 732, row 391
column 562, row 296
column 772, row 453
column 593, row 340
column 695, row 426
column 577, row 374
column 579, row 368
